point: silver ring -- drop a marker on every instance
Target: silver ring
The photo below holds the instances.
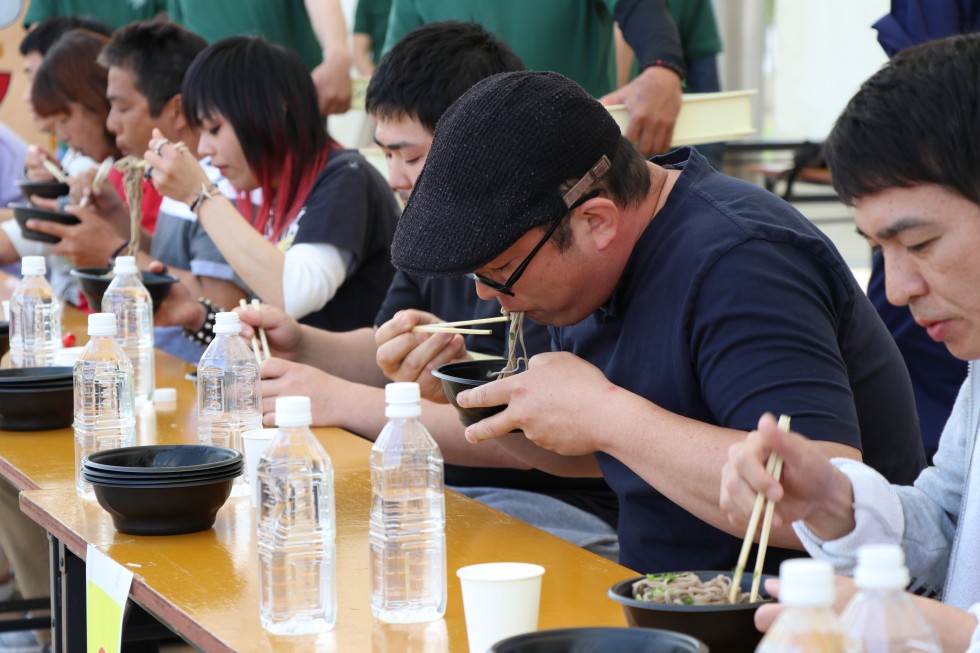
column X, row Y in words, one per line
column 159, row 146
column 148, row 173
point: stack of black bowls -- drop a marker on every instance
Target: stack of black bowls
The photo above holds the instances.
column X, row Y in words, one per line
column 162, row 489
column 35, row 398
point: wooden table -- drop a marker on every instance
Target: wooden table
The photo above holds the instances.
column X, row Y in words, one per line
column 204, row 586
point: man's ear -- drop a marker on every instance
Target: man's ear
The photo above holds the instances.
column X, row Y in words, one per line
column 174, row 110
column 597, row 221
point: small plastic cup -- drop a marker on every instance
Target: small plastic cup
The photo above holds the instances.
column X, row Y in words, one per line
column 66, row 356
column 500, row 600
column 254, row 442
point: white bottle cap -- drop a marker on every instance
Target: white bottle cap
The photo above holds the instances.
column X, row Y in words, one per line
column 807, row 583
column 125, row 265
column 293, row 411
column 32, row 265
column 403, row 400
column 165, row 396
column 881, row 566
column 102, row 324
column 227, row 323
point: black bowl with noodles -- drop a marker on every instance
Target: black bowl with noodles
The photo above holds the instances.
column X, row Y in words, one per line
column 725, row 628
column 50, row 190
column 457, row 377
column 24, row 212
column 95, row 281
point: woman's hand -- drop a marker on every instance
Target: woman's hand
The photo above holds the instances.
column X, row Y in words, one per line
column 174, row 170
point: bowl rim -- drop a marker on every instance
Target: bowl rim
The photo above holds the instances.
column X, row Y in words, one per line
column 155, row 470
column 628, row 631
column 439, row 372
column 89, row 274
column 616, row 594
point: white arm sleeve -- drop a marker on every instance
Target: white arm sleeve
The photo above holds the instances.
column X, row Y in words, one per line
column 24, row 246
column 311, row 276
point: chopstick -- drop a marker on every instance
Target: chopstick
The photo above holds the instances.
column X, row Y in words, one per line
column 774, row 466
column 100, row 176
column 263, row 352
column 58, row 173
column 451, row 327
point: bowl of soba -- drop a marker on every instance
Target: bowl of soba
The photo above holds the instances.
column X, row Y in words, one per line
column 695, row 603
column 463, row 375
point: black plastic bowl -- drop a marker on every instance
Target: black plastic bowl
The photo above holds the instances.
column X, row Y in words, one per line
column 601, row 640
column 46, row 189
column 95, row 281
column 163, row 480
column 724, row 628
column 35, row 377
column 170, row 510
column 457, row 377
column 4, row 337
column 164, row 459
column 42, row 408
column 25, row 212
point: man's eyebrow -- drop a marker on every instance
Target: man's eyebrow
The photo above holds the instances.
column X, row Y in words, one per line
column 895, row 228
column 393, row 146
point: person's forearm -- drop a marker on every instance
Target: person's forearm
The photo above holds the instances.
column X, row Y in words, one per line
column 349, row 355
column 257, row 261
column 329, row 26
column 954, row 626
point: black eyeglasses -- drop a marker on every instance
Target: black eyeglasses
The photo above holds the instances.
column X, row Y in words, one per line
column 573, row 199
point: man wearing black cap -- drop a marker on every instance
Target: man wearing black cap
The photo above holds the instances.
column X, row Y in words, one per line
column 684, row 303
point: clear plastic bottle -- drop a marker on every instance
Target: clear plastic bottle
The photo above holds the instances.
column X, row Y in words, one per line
column 35, row 317
column 229, row 400
column 296, row 527
column 130, row 301
column 881, row 617
column 408, row 515
column 105, row 412
column 808, row 623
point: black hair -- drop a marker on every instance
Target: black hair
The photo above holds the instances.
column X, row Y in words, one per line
column 43, row 35
column 430, row 67
column 158, row 53
column 915, row 121
column 265, row 92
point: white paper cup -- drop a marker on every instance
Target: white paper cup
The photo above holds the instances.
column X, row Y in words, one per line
column 66, row 356
column 500, row 600
column 254, row 443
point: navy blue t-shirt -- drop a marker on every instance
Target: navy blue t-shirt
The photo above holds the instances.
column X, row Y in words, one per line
column 455, row 299
column 733, row 304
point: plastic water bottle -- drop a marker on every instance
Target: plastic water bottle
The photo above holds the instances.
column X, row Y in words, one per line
column 881, row 617
column 35, row 317
column 408, row 515
column 296, row 527
column 105, row 412
column 808, row 623
column 130, row 301
column 229, row 400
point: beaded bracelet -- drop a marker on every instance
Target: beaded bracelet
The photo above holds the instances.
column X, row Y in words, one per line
column 669, row 65
column 205, row 333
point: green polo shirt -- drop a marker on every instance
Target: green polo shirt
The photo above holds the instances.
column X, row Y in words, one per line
column 371, row 18
column 113, row 14
column 281, row 21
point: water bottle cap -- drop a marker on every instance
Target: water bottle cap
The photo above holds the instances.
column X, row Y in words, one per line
column 805, row 582
column 293, row 411
column 32, row 265
column 227, row 323
column 125, row 265
column 102, row 324
column 402, row 393
column 881, row 566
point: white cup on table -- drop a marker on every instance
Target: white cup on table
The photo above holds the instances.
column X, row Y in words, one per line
column 500, row 600
column 254, row 443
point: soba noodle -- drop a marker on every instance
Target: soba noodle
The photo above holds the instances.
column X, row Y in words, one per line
column 684, row 589
column 515, row 338
column 132, row 169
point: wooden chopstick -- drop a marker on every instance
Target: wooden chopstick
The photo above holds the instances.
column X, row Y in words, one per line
column 773, row 463
column 485, row 320
column 438, row 328
column 265, row 343
column 100, row 176
column 255, row 341
column 58, row 173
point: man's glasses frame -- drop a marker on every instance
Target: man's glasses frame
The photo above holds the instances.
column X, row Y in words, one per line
column 574, row 198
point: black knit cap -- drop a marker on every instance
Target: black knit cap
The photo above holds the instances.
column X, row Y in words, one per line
column 498, row 158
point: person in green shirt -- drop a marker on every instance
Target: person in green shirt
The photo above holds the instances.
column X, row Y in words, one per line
column 316, row 29
column 370, row 27
column 113, row 14
column 575, row 38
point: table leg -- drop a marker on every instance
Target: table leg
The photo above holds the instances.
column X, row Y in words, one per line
column 67, row 599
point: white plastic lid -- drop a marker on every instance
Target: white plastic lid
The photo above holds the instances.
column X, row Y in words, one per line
column 881, row 566
column 165, row 395
column 402, row 399
column 293, row 411
column 227, row 323
column 32, row 265
column 125, row 265
column 102, row 324
column 806, row 583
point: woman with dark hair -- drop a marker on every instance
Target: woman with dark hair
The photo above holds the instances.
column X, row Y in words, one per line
column 315, row 242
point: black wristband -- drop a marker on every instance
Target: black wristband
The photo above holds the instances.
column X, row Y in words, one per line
column 116, row 252
column 205, row 333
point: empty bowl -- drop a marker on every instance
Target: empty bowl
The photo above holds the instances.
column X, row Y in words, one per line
column 457, row 377
column 601, row 640
column 723, row 628
column 25, row 212
column 95, row 281
column 47, row 189
column 164, row 459
column 163, row 510
column 33, row 377
column 42, row 408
